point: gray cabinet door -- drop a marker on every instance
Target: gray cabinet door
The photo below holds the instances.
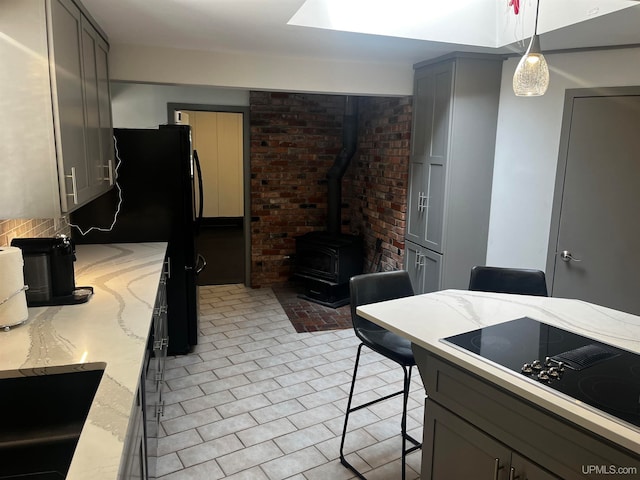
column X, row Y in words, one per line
column 424, row 267
column 454, row 449
column 420, row 140
column 98, row 130
column 91, row 107
column 598, row 196
column 69, row 103
column 430, row 139
column 104, row 107
column 435, row 173
column 412, row 254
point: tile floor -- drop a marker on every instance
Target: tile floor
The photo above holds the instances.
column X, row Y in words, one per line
column 257, row 400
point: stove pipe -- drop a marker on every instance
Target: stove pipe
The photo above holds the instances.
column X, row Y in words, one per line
column 337, row 171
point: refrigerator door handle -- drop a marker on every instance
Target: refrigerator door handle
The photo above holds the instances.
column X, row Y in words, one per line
column 203, row 261
column 200, row 193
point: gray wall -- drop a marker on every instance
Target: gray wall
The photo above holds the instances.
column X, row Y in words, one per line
column 527, row 144
column 140, row 105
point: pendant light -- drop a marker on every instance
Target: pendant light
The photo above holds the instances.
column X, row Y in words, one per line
column 531, row 77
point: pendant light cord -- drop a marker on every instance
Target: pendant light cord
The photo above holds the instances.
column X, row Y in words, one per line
column 535, row 28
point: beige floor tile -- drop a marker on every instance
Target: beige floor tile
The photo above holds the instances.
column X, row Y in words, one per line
column 297, row 462
column 249, row 457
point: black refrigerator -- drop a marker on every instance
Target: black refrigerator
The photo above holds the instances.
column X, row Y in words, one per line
column 158, row 197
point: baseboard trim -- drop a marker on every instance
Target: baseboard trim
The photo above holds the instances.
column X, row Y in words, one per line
column 222, row 222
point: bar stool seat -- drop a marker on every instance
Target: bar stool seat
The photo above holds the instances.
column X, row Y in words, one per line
column 521, row 281
column 371, row 288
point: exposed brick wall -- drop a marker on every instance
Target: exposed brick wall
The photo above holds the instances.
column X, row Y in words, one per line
column 294, row 141
column 380, row 178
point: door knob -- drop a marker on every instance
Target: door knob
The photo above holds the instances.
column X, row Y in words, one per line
column 566, row 256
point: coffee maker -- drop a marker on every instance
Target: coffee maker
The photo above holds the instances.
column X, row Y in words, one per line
column 49, row 273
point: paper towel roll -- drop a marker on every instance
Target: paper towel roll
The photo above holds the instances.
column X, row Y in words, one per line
column 13, row 303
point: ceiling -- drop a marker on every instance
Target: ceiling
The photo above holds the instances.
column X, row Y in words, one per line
column 261, row 27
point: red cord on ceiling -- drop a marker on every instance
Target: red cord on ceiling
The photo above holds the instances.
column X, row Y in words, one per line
column 516, row 6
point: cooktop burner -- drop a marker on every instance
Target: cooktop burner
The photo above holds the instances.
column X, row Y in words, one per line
column 600, row 375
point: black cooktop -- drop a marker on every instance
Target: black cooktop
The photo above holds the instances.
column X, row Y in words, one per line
column 600, row 375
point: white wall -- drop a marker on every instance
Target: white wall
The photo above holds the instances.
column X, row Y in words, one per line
column 138, row 105
column 527, row 144
column 134, row 63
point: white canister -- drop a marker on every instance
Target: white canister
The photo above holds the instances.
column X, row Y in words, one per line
column 13, row 302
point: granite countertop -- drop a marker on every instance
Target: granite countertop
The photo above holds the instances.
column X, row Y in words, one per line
column 426, row 319
column 111, row 328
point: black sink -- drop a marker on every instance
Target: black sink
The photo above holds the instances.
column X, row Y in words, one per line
column 43, row 412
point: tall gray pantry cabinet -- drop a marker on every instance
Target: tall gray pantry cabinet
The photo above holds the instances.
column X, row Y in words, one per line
column 455, row 113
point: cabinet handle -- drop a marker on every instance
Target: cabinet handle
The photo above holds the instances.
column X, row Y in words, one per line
column 512, row 474
column 496, row 468
column 110, row 171
column 425, row 202
column 161, row 344
column 160, row 310
column 160, row 410
column 422, row 198
column 74, row 186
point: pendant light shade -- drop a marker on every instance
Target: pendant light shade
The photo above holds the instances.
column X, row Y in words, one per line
column 531, row 78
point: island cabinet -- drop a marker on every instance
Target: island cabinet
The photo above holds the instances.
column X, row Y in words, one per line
column 57, row 129
column 475, row 429
column 455, row 113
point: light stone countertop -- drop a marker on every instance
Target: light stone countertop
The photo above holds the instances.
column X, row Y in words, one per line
column 426, row 319
column 112, row 327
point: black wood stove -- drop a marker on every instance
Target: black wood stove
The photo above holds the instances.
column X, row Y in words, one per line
column 326, row 260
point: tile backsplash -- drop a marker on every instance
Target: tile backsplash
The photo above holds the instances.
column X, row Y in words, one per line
column 29, row 227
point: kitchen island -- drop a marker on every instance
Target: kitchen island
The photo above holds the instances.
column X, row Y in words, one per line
column 112, row 330
column 492, row 404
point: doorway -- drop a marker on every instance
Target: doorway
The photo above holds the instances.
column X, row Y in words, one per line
column 593, row 253
column 220, row 134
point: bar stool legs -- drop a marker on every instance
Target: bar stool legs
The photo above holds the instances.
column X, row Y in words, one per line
column 403, row 424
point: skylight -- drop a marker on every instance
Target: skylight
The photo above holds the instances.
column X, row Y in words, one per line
column 482, row 23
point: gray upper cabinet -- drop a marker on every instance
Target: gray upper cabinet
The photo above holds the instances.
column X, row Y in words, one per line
column 455, row 113
column 59, row 109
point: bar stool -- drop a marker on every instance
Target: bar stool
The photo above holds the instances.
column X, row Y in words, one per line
column 508, row 280
column 372, row 288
